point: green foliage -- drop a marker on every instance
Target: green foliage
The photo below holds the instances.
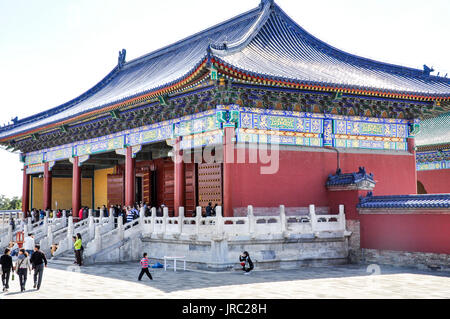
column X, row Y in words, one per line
column 10, row 203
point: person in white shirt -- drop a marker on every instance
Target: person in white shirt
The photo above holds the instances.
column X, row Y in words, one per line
column 28, row 244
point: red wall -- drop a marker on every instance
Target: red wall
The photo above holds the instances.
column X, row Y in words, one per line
column 435, row 181
column 302, row 175
column 424, row 232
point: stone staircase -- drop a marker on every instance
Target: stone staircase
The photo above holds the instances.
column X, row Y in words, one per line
column 64, row 260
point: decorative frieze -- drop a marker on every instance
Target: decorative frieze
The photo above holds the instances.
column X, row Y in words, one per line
column 255, row 125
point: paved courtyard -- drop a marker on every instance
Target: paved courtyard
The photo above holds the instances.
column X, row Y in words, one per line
column 349, row 281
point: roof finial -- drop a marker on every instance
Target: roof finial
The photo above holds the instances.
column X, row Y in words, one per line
column 121, row 59
column 427, row 70
column 263, row 2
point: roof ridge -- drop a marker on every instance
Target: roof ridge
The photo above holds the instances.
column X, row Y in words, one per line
column 399, row 68
column 176, row 45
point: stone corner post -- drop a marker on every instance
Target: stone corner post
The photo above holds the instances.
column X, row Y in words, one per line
column 251, row 220
column 165, row 216
column 180, row 219
column 219, row 220
column 342, row 217
column 120, row 228
column 153, row 219
column 283, row 219
column 312, row 215
column 198, row 219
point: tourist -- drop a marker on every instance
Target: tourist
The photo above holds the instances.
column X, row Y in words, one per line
column 214, row 209
column 78, row 249
column 85, row 212
column 124, row 215
column 130, row 215
column 23, row 222
column 38, row 261
column 22, row 265
column 105, row 211
column 246, row 262
column 28, row 244
column 59, row 214
column 53, row 249
column 6, row 264
column 41, row 215
column 209, row 209
column 14, row 248
column 144, row 264
column 80, row 214
column 12, row 223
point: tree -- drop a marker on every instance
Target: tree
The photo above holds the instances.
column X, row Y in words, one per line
column 14, row 203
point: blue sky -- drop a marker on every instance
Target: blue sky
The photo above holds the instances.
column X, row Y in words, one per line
column 53, row 50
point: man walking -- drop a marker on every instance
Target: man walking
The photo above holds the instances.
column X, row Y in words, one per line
column 38, row 261
column 28, row 244
column 6, row 265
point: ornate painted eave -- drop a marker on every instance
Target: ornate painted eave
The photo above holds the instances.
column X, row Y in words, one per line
column 261, row 47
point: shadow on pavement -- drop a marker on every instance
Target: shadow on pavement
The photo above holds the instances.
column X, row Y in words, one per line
column 170, row 281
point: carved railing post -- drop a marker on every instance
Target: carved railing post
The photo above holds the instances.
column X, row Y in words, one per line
column 141, row 216
column 219, row 221
column 45, row 226
column 342, row 217
column 251, row 220
column 180, row 219
column 54, row 216
column 50, row 236
column 153, row 219
column 64, row 217
column 111, row 219
column 10, row 233
column 198, row 218
column 165, row 215
column 97, row 239
column 91, row 224
column 283, row 220
column 120, row 228
column 102, row 215
column 312, row 216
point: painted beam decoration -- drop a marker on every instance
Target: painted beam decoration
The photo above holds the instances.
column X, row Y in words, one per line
column 100, row 146
column 433, row 160
column 254, row 125
column 313, row 129
column 35, row 169
column 59, row 154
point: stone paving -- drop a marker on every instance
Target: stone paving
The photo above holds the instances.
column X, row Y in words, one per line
column 348, row 281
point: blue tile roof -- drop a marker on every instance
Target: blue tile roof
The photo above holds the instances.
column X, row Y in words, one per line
column 405, row 201
column 340, row 179
column 263, row 41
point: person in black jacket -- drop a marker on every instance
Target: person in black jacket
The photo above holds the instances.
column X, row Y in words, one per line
column 246, row 262
column 37, row 261
column 7, row 265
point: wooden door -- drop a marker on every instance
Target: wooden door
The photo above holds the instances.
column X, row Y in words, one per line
column 115, row 189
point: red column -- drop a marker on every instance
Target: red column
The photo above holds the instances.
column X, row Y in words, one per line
column 412, row 150
column 25, row 193
column 228, row 161
column 76, row 187
column 47, row 188
column 179, row 177
column 130, row 179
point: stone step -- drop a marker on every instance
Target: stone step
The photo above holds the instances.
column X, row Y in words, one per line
column 61, row 262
